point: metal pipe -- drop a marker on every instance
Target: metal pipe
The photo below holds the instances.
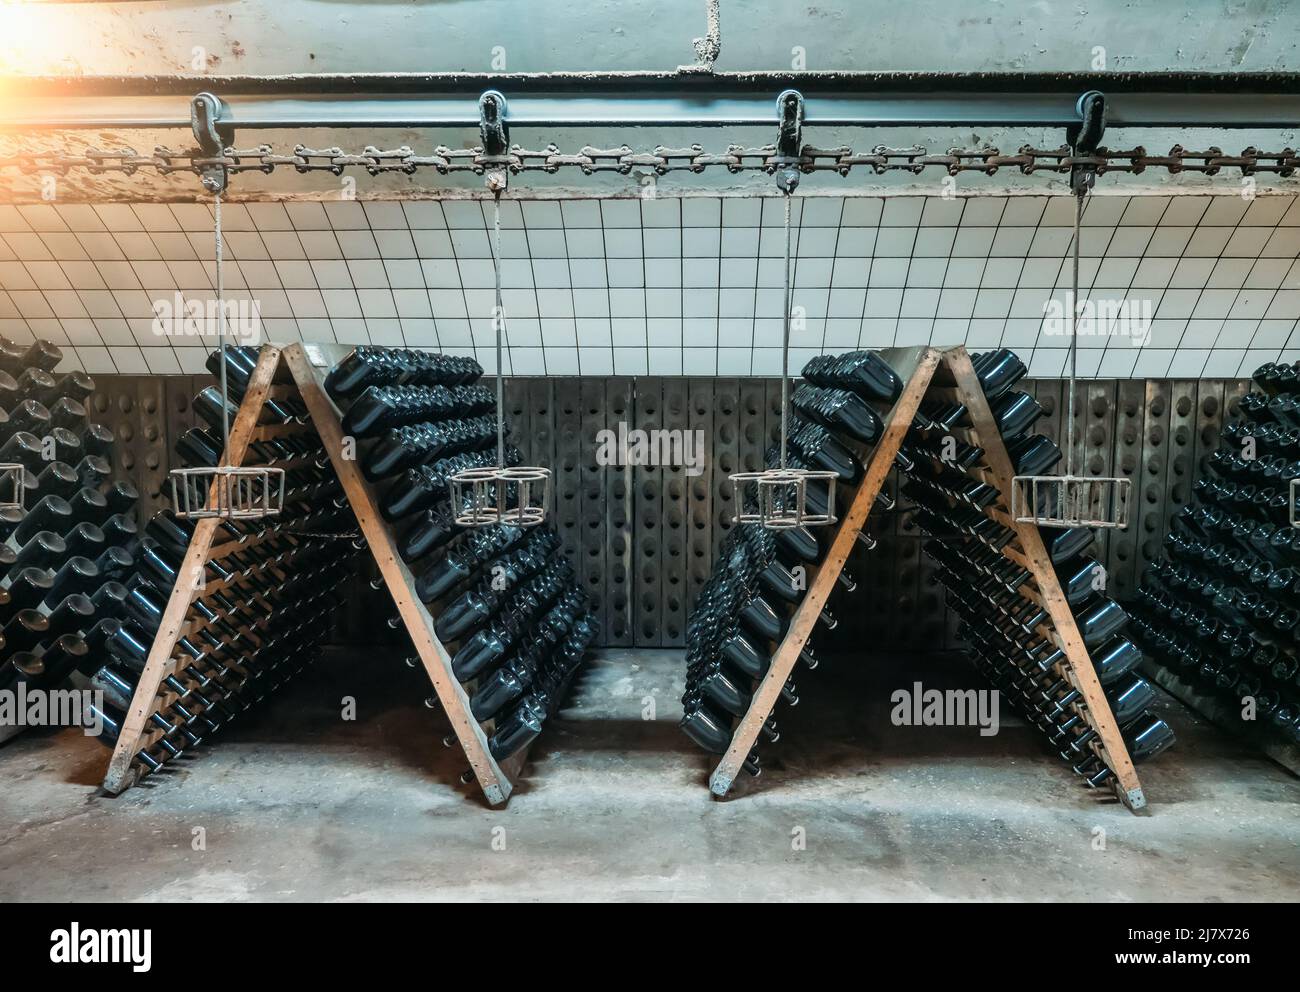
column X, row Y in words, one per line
column 758, row 83
column 701, row 99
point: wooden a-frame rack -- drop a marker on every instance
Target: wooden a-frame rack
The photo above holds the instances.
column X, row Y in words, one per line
column 942, row 374
column 297, row 371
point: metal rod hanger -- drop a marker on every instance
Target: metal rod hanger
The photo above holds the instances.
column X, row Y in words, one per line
column 659, row 99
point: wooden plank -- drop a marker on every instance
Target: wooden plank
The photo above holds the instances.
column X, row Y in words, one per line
column 493, row 780
column 1127, row 785
column 122, row 773
column 915, row 366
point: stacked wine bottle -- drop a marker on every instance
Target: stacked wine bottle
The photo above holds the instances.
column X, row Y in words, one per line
column 744, row 610
column 1222, row 610
column 70, row 540
column 263, row 603
column 1009, row 633
column 507, row 603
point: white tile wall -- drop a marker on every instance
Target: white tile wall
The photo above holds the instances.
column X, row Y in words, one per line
column 671, row 286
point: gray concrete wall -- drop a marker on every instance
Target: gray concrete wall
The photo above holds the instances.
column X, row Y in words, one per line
column 279, row 36
column 258, row 37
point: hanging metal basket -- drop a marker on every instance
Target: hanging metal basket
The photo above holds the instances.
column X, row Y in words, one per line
column 233, row 492
column 525, row 494
column 474, row 497
column 1070, row 501
column 517, row 497
column 781, row 495
column 12, row 491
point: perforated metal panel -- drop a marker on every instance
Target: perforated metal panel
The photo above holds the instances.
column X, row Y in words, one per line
column 672, row 557
column 564, row 404
column 1182, row 448
column 139, row 410
column 1126, row 462
column 647, row 517
column 726, row 457
column 583, row 512
column 620, row 400
column 644, row 540
column 699, row 504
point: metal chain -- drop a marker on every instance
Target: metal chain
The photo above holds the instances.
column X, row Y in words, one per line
column 326, row 534
column 1028, row 160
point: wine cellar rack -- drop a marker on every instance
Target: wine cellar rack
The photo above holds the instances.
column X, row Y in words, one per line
column 68, row 539
column 1214, row 613
column 143, row 740
column 296, row 375
column 935, row 377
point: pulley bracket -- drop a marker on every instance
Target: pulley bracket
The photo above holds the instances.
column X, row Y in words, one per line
column 494, row 134
column 212, row 122
column 789, row 140
column 1085, row 139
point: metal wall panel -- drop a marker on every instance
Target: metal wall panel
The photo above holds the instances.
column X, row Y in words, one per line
column 673, row 554
column 644, row 540
column 1126, row 462
column 647, row 517
column 582, row 405
column 570, row 479
column 726, row 457
column 699, row 505
column 620, row 400
column 1182, row 449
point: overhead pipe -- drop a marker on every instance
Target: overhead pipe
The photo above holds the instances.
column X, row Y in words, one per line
column 660, row 99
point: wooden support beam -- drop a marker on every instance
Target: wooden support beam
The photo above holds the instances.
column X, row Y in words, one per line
column 494, row 781
column 914, row 366
column 122, row 772
column 1035, row 558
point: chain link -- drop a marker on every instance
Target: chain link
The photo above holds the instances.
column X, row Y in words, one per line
column 660, row 161
column 330, row 535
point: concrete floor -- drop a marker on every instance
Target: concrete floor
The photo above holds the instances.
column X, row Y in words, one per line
column 299, row 805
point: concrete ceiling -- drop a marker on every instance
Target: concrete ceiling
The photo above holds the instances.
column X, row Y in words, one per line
column 290, row 36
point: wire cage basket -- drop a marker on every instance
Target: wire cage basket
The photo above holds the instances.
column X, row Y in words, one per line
column 12, row 491
column 781, row 498
column 229, row 491
column 518, row 496
column 1070, row 501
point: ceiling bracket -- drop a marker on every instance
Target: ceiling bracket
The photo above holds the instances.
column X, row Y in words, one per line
column 1084, row 138
column 789, row 140
column 214, row 130
column 494, row 133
